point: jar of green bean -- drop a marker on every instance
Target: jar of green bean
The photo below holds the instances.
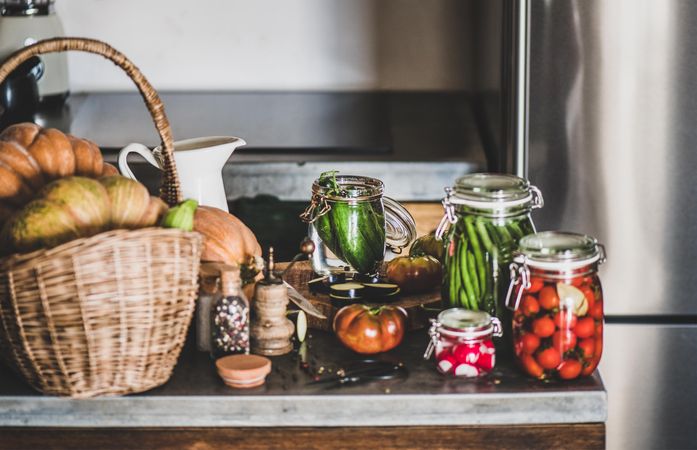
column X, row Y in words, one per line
column 485, row 217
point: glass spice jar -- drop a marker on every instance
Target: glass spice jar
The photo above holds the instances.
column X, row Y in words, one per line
column 486, row 214
column 557, row 300
column 353, row 224
column 462, row 342
column 230, row 317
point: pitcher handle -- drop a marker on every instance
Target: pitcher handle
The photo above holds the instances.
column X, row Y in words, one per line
column 142, row 151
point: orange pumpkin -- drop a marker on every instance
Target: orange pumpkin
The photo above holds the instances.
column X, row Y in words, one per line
column 31, row 156
column 225, row 238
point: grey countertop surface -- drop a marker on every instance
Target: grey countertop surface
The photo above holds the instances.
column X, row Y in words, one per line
column 195, row 396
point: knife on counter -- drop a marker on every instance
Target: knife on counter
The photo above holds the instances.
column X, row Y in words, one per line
column 303, row 303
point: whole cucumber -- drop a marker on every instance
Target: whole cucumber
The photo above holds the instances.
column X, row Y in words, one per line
column 350, row 232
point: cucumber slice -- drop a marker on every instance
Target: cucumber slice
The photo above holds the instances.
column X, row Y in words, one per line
column 347, row 290
column 319, row 285
column 381, row 289
column 301, row 326
column 366, row 279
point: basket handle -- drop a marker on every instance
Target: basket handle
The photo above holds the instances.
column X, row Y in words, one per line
column 170, row 190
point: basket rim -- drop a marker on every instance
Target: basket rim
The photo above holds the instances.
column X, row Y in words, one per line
column 15, row 259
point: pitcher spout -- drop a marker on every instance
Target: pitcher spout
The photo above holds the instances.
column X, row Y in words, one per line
column 219, row 152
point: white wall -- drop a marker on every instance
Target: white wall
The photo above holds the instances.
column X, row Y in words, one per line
column 275, row 44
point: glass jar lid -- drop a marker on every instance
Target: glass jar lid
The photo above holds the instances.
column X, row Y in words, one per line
column 494, row 191
column 559, row 249
column 400, row 227
column 466, row 323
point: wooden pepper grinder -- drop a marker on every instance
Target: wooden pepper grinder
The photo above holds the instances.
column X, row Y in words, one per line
column 271, row 330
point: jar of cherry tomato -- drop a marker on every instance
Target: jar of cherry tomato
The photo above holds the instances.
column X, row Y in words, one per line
column 557, row 300
column 462, row 341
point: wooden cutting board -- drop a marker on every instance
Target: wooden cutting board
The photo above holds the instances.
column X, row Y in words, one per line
column 301, row 273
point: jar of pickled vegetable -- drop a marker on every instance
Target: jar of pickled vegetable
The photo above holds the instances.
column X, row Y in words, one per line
column 485, row 217
column 557, row 300
column 353, row 225
column 462, row 342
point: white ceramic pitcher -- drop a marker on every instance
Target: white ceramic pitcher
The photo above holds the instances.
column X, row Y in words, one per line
column 200, row 163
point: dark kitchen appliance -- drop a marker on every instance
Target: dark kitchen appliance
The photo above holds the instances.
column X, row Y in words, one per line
column 19, row 93
column 23, row 22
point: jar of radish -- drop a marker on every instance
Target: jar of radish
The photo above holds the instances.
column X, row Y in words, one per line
column 462, row 342
column 557, row 300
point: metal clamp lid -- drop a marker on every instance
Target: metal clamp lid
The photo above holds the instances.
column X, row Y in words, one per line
column 520, row 278
column 449, row 218
column 496, row 195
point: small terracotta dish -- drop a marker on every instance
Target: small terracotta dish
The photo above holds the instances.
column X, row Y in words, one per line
column 243, row 371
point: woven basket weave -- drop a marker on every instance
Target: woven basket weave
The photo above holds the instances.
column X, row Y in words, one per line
column 107, row 314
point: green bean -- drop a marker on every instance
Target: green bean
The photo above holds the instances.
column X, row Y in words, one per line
column 527, row 227
column 454, row 281
column 481, row 228
column 466, row 281
column 505, row 235
column 474, row 275
column 515, row 230
column 479, row 271
column 462, row 298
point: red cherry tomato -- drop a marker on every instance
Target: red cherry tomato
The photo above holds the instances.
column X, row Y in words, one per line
column 535, row 285
column 565, row 319
column 585, row 328
column 529, row 306
column 529, row 343
column 587, row 370
column 587, row 347
column 597, row 310
column 569, row 369
column 564, row 340
column 549, row 358
column 531, row 366
column 577, row 282
column 543, row 327
column 590, row 296
column 549, row 298
column 581, row 281
column 598, row 348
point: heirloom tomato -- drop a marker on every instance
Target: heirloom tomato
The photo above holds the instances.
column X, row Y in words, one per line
column 368, row 330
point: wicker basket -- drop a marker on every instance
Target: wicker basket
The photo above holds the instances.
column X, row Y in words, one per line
column 108, row 314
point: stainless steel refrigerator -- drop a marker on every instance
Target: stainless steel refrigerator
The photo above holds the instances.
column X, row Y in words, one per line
column 602, row 116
